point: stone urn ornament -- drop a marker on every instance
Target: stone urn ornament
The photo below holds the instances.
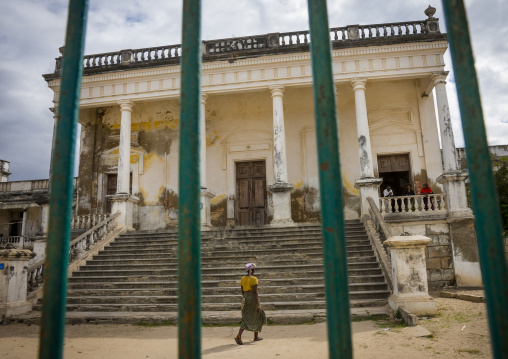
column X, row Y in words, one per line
column 430, row 11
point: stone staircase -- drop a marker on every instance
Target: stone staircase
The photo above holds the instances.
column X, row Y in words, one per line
column 137, row 272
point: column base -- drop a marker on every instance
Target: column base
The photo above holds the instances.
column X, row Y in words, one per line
column 369, row 187
column 205, row 196
column 124, row 203
column 281, row 198
column 13, row 309
column 455, row 189
column 418, row 305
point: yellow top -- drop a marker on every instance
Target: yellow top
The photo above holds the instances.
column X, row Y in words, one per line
column 248, row 282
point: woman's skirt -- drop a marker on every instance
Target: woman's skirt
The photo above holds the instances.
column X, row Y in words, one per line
column 251, row 320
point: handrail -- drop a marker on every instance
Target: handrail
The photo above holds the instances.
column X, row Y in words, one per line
column 78, row 248
column 435, row 202
column 87, row 220
column 379, row 249
column 286, row 41
column 378, row 219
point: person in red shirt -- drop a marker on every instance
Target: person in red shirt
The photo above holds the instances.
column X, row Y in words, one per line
column 426, row 190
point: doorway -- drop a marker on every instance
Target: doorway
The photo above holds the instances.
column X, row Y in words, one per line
column 16, row 224
column 251, row 193
column 395, row 171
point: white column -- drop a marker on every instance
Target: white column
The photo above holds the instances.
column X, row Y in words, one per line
column 206, row 195
column 124, row 149
column 279, row 136
column 367, row 183
column 281, row 189
column 452, row 178
column 23, row 224
column 123, row 201
column 362, row 128
column 445, row 123
column 44, row 219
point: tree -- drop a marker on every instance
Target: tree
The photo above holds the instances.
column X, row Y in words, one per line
column 501, row 178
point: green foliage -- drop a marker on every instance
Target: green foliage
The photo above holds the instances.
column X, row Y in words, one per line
column 501, row 178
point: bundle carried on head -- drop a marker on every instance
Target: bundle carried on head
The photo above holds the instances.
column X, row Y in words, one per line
column 250, row 267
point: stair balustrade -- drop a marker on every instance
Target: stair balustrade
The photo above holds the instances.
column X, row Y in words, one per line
column 79, row 249
column 432, row 203
column 87, row 220
column 378, row 232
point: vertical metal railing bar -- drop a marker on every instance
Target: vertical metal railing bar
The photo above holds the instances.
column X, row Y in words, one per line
column 330, row 182
column 189, row 226
column 62, row 179
column 483, row 188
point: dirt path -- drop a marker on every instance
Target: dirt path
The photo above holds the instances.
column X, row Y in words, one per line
column 459, row 331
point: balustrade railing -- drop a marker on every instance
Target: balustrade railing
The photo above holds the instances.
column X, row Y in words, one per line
column 40, row 184
column 21, row 242
column 87, row 221
column 5, row 186
column 435, row 203
column 78, row 248
column 378, row 232
column 289, row 40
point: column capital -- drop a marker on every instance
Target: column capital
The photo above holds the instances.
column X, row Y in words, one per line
column 439, row 78
column 204, row 98
column 277, row 90
column 359, row 83
column 126, row 105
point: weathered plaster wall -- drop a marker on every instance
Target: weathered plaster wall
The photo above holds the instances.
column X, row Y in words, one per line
column 440, row 271
column 154, row 127
column 239, row 127
column 33, row 221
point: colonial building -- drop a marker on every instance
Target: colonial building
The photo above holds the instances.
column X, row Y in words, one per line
column 259, row 142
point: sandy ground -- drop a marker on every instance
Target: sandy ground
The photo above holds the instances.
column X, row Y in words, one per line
column 459, row 331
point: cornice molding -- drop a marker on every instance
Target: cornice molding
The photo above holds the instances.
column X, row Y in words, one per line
column 263, row 61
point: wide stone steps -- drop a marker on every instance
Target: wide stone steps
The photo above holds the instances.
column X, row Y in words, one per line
column 138, row 271
column 164, row 284
column 171, row 262
column 236, row 306
column 215, row 298
column 311, row 289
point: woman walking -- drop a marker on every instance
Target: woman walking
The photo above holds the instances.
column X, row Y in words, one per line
column 253, row 317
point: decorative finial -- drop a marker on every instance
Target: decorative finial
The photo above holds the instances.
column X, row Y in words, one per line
column 430, row 11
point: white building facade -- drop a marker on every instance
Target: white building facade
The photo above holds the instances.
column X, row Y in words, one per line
column 259, row 149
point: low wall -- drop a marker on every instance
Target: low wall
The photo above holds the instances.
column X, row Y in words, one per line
column 440, row 271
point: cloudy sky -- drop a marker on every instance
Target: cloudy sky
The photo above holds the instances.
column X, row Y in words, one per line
column 31, row 31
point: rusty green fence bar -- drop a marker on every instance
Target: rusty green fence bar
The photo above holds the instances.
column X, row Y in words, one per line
column 330, row 183
column 60, row 202
column 483, row 188
column 189, row 226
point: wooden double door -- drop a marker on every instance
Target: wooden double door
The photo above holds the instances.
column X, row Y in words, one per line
column 251, row 193
column 395, row 171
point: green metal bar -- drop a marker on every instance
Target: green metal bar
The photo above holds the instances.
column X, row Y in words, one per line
column 60, row 202
column 330, row 182
column 483, row 188
column 189, row 226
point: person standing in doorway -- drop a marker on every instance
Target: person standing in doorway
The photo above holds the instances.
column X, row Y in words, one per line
column 426, row 190
column 253, row 317
column 389, row 193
